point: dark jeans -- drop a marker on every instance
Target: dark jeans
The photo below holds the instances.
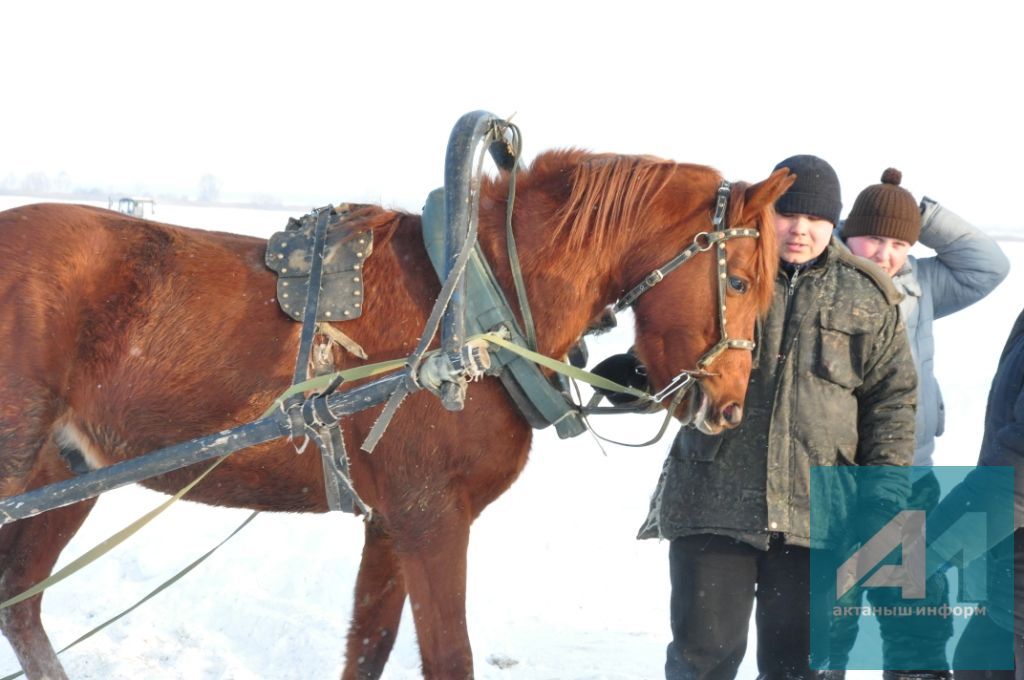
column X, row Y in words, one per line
column 715, row 582
column 908, row 643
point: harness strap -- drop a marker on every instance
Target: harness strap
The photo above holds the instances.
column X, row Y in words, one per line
column 513, row 252
column 312, row 293
column 452, row 282
column 673, row 405
column 701, row 242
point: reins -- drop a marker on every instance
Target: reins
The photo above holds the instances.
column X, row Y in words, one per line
column 317, row 417
column 319, row 383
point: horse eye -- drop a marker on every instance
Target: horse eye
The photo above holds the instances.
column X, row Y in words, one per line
column 738, row 284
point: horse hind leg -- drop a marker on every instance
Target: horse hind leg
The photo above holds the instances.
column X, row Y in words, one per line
column 28, row 550
column 379, row 598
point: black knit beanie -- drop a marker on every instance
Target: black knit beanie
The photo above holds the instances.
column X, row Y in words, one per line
column 885, row 209
column 816, row 190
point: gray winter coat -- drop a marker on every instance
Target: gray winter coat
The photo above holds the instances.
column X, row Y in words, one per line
column 967, row 266
column 834, row 385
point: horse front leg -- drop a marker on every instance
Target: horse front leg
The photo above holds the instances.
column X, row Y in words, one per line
column 433, row 557
column 379, row 597
column 28, row 550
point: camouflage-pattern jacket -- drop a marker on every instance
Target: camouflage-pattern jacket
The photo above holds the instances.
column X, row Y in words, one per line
column 834, row 384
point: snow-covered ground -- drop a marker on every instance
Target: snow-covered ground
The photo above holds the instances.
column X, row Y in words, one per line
column 558, row 586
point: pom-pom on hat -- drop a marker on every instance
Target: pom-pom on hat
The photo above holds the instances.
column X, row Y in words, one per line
column 885, row 209
column 815, row 191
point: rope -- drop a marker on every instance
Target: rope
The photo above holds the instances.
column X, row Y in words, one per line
column 562, row 367
column 106, row 546
column 153, row 593
column 318, row 383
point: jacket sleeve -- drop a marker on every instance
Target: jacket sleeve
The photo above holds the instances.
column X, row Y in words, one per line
column 886, row 405
column 968, row 264
column 1009, row 438
column 887, row 399
column 983, row 489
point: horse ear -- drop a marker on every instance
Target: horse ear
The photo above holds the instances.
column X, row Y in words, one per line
column 763, row 195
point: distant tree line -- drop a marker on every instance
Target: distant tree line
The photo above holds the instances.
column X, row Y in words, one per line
column 208, row 189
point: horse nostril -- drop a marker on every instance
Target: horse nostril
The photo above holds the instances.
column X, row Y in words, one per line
column 733, row 413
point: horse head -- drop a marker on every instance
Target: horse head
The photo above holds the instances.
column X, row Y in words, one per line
column 593, row 226
column 702, row 322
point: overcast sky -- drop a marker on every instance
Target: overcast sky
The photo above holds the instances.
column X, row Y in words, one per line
column 324, row 102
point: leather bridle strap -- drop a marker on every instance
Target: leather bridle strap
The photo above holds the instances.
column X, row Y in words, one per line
column 703, row 242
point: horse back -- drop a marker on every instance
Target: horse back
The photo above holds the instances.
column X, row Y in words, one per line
column 144, row 335
column 133, row 329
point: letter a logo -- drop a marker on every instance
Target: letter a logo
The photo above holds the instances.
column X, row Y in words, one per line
column 906, row 531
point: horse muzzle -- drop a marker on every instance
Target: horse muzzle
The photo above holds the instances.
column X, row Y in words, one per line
column 706, row 417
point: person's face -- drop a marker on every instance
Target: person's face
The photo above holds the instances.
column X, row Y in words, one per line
column 801, row 237
column 888, row 253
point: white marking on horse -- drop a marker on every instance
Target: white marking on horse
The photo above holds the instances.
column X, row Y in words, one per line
column 67, row 435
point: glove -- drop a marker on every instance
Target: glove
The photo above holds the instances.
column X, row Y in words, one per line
column 871, row 518
column 626, row 370
column 929, row 207
column 579, row 354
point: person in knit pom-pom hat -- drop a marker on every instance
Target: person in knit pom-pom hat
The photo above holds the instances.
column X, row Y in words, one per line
column 883, row 224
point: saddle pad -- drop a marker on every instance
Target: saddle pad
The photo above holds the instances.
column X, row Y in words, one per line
column 289, row 253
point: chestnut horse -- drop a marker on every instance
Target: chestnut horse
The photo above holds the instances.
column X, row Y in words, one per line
column 119, row 336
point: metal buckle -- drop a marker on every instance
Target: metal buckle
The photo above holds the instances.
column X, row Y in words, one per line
column 681, row 381
column 703, row 241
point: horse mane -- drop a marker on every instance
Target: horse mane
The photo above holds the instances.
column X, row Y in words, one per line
column 368, row 217
column 608, row 190
column 604, row 192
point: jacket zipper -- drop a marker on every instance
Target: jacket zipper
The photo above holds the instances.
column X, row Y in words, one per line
column 790, row 290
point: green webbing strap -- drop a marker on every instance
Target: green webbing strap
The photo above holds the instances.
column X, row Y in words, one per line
column 107, row 545
column 321, row 382
column 119, row 537
column 318, row 383
column 153, row 593
column 562, row 367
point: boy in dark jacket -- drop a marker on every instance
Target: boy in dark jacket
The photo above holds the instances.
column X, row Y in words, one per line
column 834, row 385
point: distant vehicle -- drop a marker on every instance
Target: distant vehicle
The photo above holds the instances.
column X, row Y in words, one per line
column 134, row 206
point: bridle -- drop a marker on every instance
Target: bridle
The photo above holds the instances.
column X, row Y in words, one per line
column 702, row 242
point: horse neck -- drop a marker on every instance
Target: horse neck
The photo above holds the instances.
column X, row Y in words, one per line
column 566, row 289
column 635, row 208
